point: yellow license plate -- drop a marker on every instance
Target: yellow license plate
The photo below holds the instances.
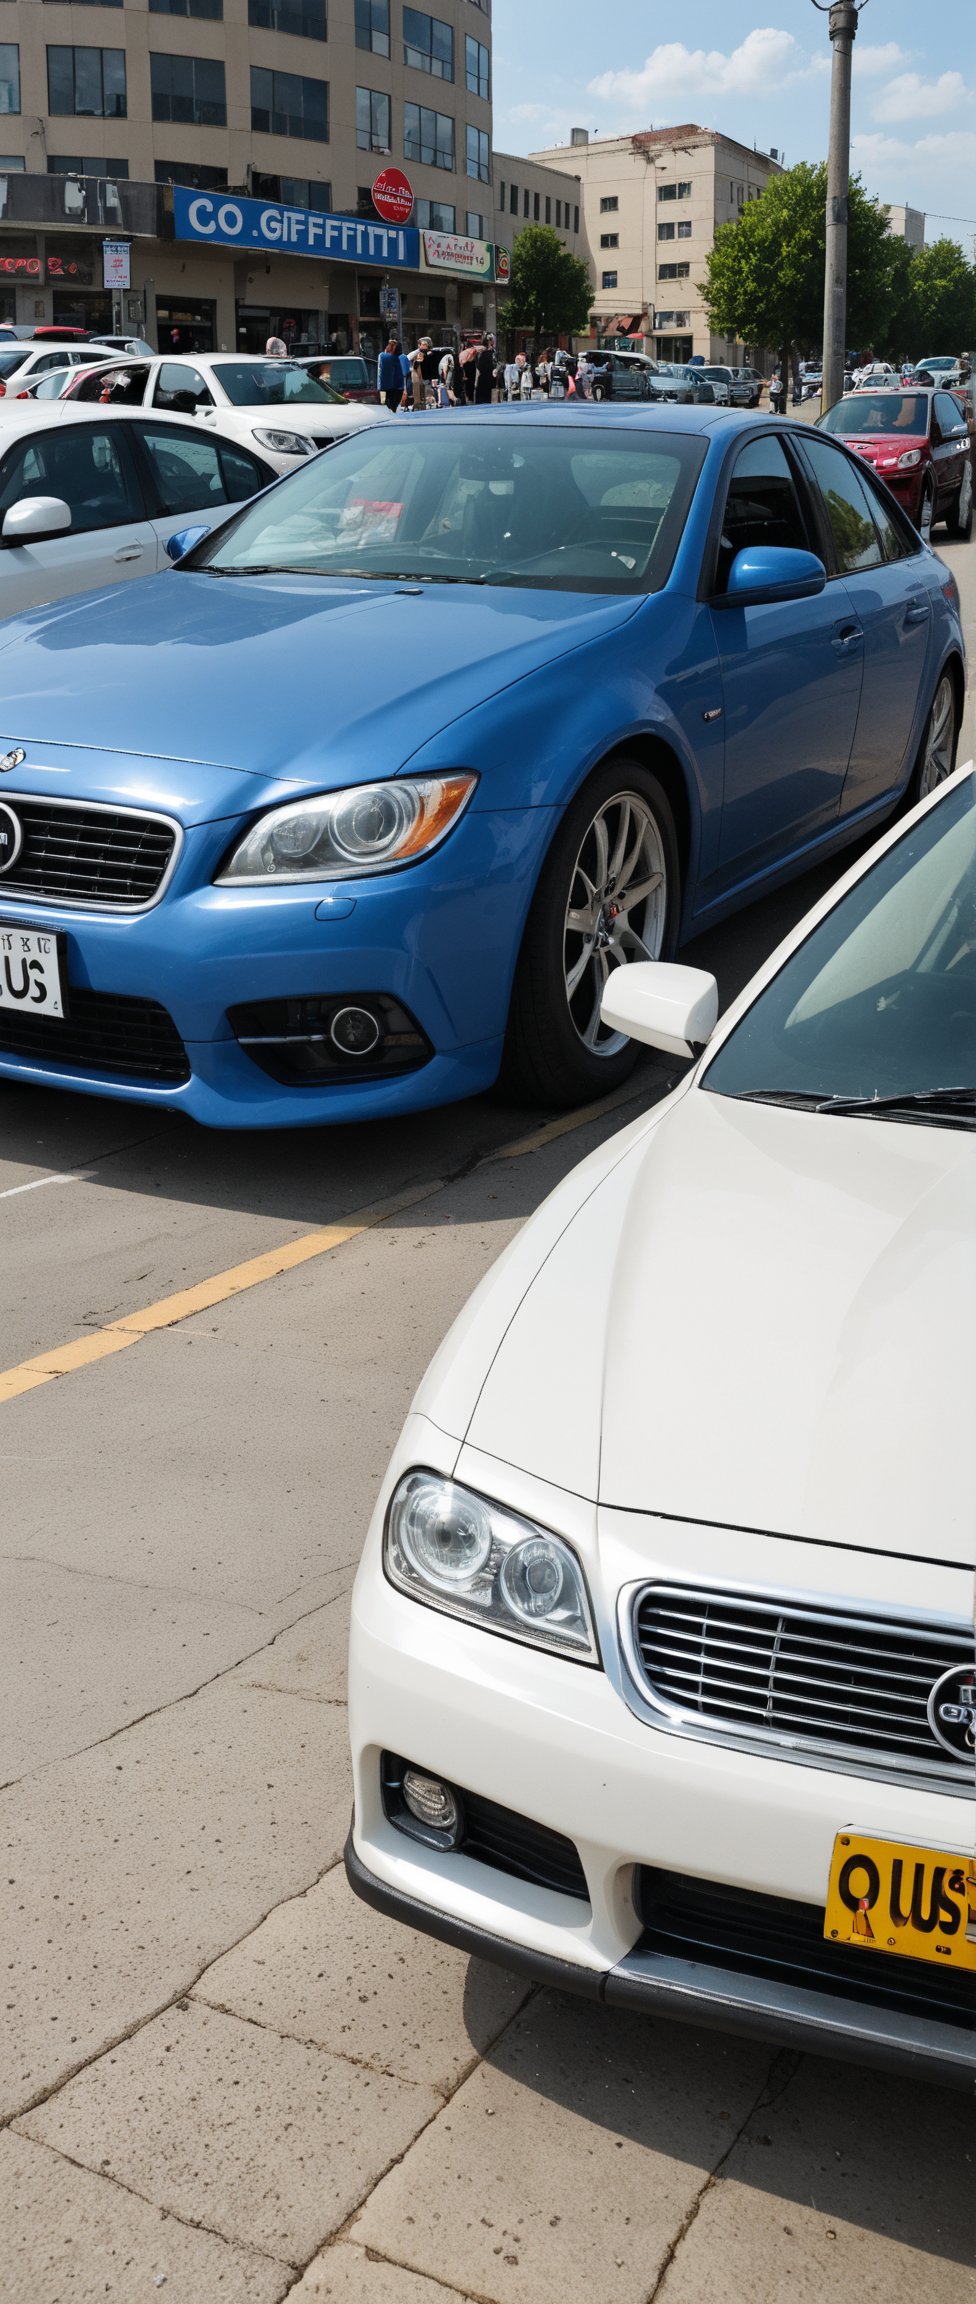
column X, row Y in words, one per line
column 919, row 1902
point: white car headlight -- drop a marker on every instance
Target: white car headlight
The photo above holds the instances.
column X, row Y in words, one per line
column 911, row 456
column 367, row 828
column 457, row 1551
column 286, row 443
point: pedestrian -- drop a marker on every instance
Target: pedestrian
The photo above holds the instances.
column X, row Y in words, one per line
column 468, row 371
column 276, row 348
column 417, row 387
column 406, row 372
column 446, row 396
column 511, row 376
column 526, row 378
column 485, row 372
column 389, row 377
column 584, row 376
column 543, row 371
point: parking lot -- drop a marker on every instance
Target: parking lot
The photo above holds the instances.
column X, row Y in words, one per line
column 221, row 2076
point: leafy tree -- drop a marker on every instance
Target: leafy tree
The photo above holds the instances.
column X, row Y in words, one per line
column 765, row 282
column 941, row 315
column 549, row 290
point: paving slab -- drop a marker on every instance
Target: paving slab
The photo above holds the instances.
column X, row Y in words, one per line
column 563, row 2169
column 325, row 1968
column 853, row 2185
column 129, row 1869
column 307, row 1660
column 268, row 2142
column 70, row 2237
column 344, row 2274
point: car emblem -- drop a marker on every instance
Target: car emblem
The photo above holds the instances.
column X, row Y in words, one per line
column 12, row 759
column 11, row 837
column 952, row 1711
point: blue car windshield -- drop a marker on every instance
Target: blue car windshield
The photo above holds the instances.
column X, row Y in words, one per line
column 879, row 1001
column 448, row 500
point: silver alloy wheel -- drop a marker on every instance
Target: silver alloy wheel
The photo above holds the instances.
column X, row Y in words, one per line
column 939, row 745
column 617, row 910
column 965, row 505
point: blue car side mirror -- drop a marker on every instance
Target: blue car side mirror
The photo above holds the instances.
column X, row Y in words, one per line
column 182, row 542
column 768, row 572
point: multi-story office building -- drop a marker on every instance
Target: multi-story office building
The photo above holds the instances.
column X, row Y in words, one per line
column 298, row 105
column 907, row 224
column 652, row 204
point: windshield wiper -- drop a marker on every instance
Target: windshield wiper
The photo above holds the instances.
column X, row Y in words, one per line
column 957, row 1104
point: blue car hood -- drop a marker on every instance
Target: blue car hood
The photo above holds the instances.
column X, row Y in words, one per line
column 187, row 687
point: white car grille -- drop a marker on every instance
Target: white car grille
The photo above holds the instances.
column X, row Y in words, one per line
column 768, row 1669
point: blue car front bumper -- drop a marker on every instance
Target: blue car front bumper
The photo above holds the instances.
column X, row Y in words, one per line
column 440, row 939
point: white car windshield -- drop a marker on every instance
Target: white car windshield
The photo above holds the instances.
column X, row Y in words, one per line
column 469, row 502
column 268, row 383
column 877, row 1008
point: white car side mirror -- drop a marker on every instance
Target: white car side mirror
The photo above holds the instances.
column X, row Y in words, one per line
column 35, row 517
column 662, row 1004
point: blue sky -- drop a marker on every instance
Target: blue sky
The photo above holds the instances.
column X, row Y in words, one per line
column 759, row 69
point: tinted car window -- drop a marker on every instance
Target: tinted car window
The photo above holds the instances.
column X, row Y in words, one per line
column 848, row 507
column 949, row 415
column 762, row 506
column 181, row 387
column 267, row 384
column 898, row 539
column 866, row 412
column 118, row 387
column 191, row 470
column 82, row 465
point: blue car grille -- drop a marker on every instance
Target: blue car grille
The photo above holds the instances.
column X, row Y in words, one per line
column 114, row 857
column 104, row 1033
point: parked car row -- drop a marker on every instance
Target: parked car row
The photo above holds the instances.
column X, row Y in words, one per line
column 923, row 445
column 273, row 406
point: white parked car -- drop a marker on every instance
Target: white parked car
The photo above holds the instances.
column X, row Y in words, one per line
column 273, row 406
column 94, row 499
column 662, row 1675
column 22, row 363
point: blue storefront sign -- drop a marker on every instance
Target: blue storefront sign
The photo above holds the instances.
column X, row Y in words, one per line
column 221, row 220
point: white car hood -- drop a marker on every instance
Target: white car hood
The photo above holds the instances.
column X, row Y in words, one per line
column 761, row 1318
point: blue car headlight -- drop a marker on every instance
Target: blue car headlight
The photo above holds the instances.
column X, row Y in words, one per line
column 368, row 828
column 455, row 1550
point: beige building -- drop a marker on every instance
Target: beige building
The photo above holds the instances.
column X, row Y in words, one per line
column 526, row 192
column 651, row 204
column 907, row 224
column 296, row 103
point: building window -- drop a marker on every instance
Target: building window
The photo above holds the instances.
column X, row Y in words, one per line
column 116, row 170
column 373, row 121
column 476, row 69
column 9, row 76
column 609, row 239
column 609, row 205
column 104, row 3
column 428, row 45
column 211, row 8
column 435, row 216
column 187, row 172
column 287, row 104
column 476, row 226
column 428, row 136
column 575, row 219
column 608, row 280
column 478, row 160
column 684, row 231
column 373, row 26
column 501, row 192
column 536, row 206
column 12, row 164
column 305, row 19
column 188, row 88
column 665, row 231
column 559, row 215
column 673, row 271
column 680, row 191
column 513, row 199
column 88, row 80
column 292, row 191
column 684, row 190
column 525, row 201
column 671, row 320
column 548, row 209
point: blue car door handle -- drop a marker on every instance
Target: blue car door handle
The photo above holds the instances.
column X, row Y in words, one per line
column 917, row 611
column 847, row 636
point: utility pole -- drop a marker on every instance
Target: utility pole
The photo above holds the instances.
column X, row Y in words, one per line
column 842, row 25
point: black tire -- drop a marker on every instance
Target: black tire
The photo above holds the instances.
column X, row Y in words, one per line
column 546, row 1060
column 599, row 392
column 959, row 522
column 927, row 774
column 926, row 511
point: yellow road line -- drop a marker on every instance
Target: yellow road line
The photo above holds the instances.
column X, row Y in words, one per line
column 169, row 1311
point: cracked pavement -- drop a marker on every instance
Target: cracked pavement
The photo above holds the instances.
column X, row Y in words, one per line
column 222, row 2078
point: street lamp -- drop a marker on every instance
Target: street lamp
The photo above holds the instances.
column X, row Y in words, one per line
column 842, row 16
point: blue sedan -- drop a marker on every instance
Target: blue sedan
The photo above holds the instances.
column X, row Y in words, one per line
column 355, row 809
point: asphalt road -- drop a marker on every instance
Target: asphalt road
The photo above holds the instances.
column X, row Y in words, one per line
column 218, row 2075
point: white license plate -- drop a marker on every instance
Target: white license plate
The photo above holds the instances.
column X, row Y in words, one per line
column 31, row 973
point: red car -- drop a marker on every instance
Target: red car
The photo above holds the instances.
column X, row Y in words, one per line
column 922, row 443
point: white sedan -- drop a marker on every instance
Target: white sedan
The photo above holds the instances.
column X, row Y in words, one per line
column 90, row 497
column 662, row 1673
column 273, row 406
column 23, row 363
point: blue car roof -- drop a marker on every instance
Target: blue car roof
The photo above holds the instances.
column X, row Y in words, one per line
column 647, row 416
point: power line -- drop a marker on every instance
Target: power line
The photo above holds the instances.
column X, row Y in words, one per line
column 938, row 218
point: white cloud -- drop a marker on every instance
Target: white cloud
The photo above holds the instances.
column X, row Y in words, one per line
column 766, row 62
column 927, row 171
column 909, row 97
column 872, row 63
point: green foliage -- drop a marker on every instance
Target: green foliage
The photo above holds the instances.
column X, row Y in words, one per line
column 765, row 282
column 942, row 304
column 549, row 290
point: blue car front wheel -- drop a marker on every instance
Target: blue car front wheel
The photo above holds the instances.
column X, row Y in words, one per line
column 608, row 894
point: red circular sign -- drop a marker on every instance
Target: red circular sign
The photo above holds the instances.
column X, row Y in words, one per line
column 393, row 196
